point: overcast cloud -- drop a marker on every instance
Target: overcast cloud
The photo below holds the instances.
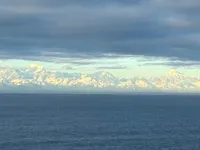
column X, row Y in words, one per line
column 93, row 28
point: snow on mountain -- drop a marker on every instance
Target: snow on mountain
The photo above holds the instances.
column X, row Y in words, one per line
column 126, row 84
column 174, row 74
column 36, row 68
column 105, row 77
column 36, row 75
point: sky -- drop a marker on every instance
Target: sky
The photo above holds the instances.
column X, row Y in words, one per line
column 125, row 37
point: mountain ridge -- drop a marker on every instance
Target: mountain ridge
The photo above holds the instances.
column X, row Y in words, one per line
column 37, row 76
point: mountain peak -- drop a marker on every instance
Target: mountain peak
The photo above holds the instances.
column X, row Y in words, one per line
column 103, row 73
column 104, row 76
column 37, row 68
column 174, row 73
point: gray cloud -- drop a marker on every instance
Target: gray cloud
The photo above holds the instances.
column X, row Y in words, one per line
column 77, row 28
column 175, row 64
column 81, row 63
column 111, row 67
column 67, row 67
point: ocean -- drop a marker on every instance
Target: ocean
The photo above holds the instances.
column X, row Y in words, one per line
column 99, row 122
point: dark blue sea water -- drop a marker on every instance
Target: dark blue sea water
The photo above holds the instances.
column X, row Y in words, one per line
column 99, row 122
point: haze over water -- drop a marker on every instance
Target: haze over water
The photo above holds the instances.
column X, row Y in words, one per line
column 99, row 122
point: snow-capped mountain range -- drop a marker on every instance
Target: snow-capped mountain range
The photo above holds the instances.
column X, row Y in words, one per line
column 36, row 76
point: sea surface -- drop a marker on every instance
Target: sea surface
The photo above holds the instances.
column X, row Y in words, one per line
column 99, row 122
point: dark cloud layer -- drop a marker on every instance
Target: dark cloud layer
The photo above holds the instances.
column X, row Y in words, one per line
column 164, row 28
